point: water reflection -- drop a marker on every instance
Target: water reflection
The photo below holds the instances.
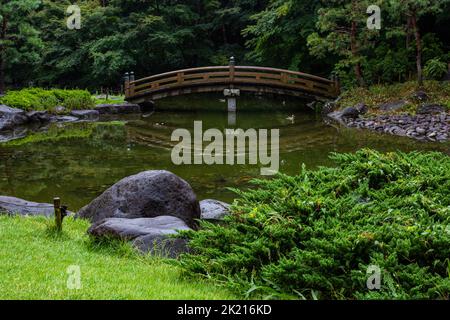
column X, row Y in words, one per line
column 79, row 168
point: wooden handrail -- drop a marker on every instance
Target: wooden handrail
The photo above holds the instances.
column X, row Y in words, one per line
column 232, row 76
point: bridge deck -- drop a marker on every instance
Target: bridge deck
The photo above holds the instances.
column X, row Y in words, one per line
column 245, row 78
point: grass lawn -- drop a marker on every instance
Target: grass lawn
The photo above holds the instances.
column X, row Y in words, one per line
column 34, row 262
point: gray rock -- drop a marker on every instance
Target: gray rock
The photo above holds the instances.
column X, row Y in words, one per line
column 430, row 108
column 420, row 130
column 328, row 107
column 11, row 117
column 85, row 114
column 342, row 115
column 129, row 229
column 38, row 116
column 65, row 119
column 362, row 108
column 146, row 195
column 122, row 108
column 214, row 210
column 420, row 96
column 350, row 112
column 392, row 106
column 149, row 235
column 60, row 109
column 16, row 206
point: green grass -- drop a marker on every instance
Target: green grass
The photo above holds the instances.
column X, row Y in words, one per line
column 34, row 261
column 374, row 96
column 110, row 100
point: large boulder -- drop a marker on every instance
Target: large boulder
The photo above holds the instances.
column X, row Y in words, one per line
column 16, row 206
column 146, row 195
column 149, row 235
column 214, row 210
column 11, row 117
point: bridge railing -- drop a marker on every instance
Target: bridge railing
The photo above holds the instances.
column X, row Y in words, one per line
column 232, row 75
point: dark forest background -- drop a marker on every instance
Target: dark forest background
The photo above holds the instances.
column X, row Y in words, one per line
column 153, row 36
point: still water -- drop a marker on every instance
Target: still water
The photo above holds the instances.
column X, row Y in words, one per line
column 78, row 167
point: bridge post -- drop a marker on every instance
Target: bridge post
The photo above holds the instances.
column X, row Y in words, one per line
column 231, row 94
column 232, row 70
column 126, row 79
column 131, row 84
column 336, row 85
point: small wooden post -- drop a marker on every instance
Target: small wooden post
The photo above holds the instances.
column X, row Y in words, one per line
column 127, row 84
column 58, row 216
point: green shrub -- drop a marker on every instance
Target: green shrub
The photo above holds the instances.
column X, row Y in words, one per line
column 40, row 99
column 435, row 69
column 315, row 234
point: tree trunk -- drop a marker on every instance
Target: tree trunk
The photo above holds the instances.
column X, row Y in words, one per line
column 224, row 34
column 2, row 54
column 418, row 47
column 354, row 49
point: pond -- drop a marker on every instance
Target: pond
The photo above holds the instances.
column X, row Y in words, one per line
column 78, row 161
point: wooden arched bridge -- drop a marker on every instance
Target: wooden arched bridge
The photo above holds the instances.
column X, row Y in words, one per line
column 220, row 78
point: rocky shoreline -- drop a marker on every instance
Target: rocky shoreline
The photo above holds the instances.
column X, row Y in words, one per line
column 430, row 123
column 14, row 123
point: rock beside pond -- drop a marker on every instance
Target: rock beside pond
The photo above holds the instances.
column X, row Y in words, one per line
column 425, row 127
column 392, row 106
column 430, row 108
column 347, row 113
column 85, row 114
column 119, row 108
column 65, row 119
column 60, row 109
column 11, row 118
column 214, row 210
column 38, row 116
column 149, row 235
column 147, row 194
column 16, row 206
column 420, row 96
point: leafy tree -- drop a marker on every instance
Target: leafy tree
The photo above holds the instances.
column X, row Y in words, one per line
column 19, row 40
column 412, row 11
column 279, row 33
column 342, row 27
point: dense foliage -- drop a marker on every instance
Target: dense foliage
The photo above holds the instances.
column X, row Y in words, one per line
column 314, row 235
column 322, row 37
column 40, row 99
